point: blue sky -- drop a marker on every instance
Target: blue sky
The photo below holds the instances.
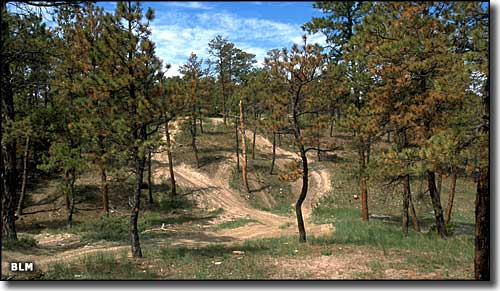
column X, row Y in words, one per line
column 256, row 27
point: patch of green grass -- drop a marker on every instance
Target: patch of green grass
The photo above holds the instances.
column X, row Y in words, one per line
column 213, row 262
column 173, row 203
column 325, row 252
column 423, row 250
column 19, row 245
column 217, row 212
column 236, row 223
column 107, row 227
column 99, row 266
column 218, row 262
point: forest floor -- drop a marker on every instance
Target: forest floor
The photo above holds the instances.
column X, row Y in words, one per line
column 220, row 232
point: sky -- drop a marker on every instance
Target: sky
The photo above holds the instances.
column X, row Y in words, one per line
column 180, row 28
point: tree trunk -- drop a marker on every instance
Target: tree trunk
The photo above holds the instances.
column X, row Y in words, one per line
column 305, row 171
column 406, row 203
column 364, row 199
column 200, row 118
column 67, row 199
column 302, row 196
column 436, row 203
column 363, row 187
column 104, row 189
column 193, row 140
column 451, row 197
column 150, row 190
column 170, row 161
column 136, row 202
column 243, row 150
column 70, row 188
column 274, row 153
column 439, row 182
column 9, row 178
column 413, row 214
column 482, row 228
column 25, row 177
column 237, row 145
column 254, row 137
column 224, row 113
column 332, row 122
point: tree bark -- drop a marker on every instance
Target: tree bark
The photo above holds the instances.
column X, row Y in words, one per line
column 305, row 169
column 244, row 174
column 20, row 205
column 274, row 153
column 170, row 161
column 104, row 189
column 302, row 196
column 193, row 139
column 136, row 202
column 406, row 203
column 70, row 188
column 362, row 185
column 436, row 203
column 150, row 190
column 254, row 136
column 237, row 145
column 482, row 228
column 9, row 194
column 439, row 183
column 413, row 214
column 451, row 197
column 67, row 199
column 364, row 199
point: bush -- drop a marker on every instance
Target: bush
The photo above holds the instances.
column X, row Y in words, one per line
column 107, row 227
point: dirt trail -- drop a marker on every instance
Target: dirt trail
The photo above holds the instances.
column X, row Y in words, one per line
column 216, row 193
column 320, row 182
column 212, row 192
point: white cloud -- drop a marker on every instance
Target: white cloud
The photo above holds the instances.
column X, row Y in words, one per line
column 191, row 5
column 177, row 35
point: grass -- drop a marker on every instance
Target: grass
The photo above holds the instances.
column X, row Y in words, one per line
column 213, row 262
column 425, row 251
column 22, row 243
column 236, row 223
column 99, row 266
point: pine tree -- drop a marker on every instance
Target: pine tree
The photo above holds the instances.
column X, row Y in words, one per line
column 407, row 51
column 298, row 68
column 193, row 72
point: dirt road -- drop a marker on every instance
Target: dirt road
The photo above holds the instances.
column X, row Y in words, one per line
column 212, row 192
